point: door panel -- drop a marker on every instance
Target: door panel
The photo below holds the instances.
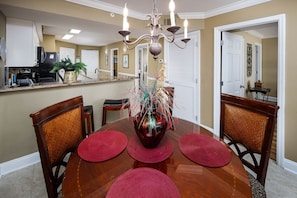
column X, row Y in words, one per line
column 232, row 64
column 182, row 74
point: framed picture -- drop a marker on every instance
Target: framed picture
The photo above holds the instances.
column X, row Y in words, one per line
column 126, row 60
column 249, row 59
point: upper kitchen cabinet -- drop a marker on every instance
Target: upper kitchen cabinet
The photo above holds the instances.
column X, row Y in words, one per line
column 21, row 43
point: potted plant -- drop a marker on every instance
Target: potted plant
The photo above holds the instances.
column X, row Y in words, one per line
column 154, row 115
column 71, row 70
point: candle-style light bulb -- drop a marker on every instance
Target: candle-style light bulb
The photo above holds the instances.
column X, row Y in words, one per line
column 125, row 16
column 171, row 9
column 127, row 37
column 186, row 28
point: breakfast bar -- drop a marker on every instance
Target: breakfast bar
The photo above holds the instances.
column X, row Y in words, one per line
column 17, row 134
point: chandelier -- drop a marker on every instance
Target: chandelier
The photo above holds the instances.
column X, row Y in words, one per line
column 156, row 33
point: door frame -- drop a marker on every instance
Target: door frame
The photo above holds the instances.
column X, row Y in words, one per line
column 258, row 62
column 112, row 60
column 281, row 20
column 140, row 46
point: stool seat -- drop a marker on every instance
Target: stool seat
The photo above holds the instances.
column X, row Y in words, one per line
column 89, row 117
column 115, row 105
column 118, row 102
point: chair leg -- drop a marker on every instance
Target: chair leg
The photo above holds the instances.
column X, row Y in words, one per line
column 129, row 111
column 92, row 119
column 88, row 120
column 104, row 116
column 89, row 116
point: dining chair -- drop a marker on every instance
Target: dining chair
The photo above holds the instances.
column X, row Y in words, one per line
column 247, row 126
column 59, row 129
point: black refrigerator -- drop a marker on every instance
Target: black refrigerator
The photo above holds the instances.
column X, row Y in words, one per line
column 45, row 66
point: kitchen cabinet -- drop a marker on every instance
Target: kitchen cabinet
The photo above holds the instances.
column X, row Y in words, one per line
column 21, row 43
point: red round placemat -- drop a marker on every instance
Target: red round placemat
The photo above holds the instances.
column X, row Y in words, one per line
column 144, row 183
column 204, row 150
column 102, row 146
column 150, row 155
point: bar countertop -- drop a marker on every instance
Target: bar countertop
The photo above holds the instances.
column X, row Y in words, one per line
column 60, row 84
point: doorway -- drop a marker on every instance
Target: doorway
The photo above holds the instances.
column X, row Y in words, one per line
column 280, row 20
column 141, row 61
column 114, row 62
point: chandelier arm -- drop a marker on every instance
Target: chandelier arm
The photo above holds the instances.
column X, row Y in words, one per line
column 185, row 45
column 142, row 37
column 155, row 47
column 169, row 39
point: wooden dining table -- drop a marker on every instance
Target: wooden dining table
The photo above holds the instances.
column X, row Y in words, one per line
column 94, row 179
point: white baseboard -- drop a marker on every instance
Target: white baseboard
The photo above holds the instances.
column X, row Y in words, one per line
column 19, row 163
column 206, row 127
column 290, row 166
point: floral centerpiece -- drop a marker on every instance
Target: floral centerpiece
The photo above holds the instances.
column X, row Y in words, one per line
column 155, row 105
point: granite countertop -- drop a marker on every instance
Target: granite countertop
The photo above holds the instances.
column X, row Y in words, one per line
column 59, row 84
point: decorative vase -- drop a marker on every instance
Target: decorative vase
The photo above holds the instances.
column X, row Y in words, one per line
column 70, row 77
column 150, row 128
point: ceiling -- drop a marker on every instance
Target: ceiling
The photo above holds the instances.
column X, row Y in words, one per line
column 99, row 34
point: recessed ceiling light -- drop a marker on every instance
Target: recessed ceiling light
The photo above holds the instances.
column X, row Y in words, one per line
column 67, row 36
column 75, row 31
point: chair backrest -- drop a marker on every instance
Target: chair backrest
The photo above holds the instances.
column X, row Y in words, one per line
column 59, row 129
column 248, row 125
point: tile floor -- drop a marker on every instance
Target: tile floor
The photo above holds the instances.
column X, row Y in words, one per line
column 29, row 183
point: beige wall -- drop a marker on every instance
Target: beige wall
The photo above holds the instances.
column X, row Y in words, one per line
column 49, row 43
column 269, row 64
column 153, row 65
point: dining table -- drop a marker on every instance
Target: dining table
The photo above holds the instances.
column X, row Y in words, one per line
column 170, row 167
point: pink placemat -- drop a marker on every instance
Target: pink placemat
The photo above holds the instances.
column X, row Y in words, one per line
column 144, row 183
column 150, row 155
column 204, row 150
column 102, row 146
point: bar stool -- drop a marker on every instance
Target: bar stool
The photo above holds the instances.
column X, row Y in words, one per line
column 89, row 117
column 115, row 105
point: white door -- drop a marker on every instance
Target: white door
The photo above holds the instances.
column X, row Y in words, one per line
column 114, row 62
column 91, row 59
column 141, row 52
column 182, row 74
column 232, row 64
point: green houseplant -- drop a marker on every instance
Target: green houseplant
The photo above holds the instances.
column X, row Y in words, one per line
column 71, row 70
